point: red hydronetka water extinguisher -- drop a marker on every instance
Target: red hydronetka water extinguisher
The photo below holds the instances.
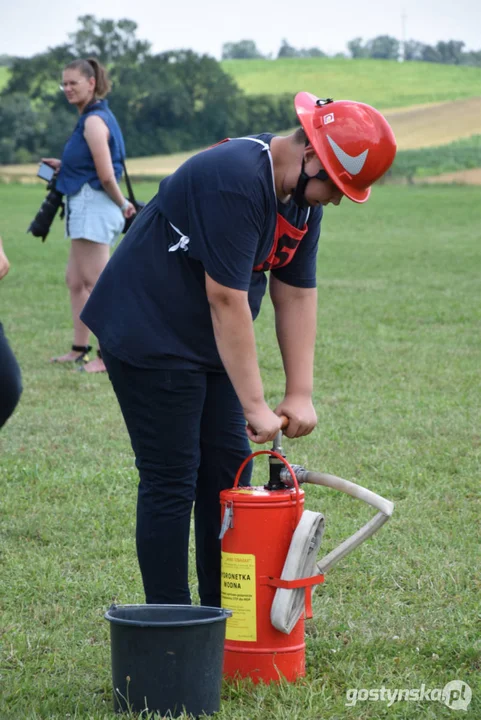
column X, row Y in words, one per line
column 269, row 547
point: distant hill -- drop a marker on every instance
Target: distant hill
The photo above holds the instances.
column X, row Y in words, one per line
column 428, row 105
column 386, row 84
column 382, row 83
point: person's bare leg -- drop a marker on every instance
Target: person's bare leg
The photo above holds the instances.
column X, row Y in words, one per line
column 93, row 259
column 78, row 298
column 86, row 261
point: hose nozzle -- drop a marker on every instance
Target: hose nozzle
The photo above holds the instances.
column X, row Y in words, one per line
column 299, row 471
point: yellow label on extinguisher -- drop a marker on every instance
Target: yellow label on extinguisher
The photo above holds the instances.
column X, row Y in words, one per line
column 238, row 593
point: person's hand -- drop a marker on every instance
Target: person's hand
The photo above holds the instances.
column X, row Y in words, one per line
column 53, row 163
column 262, row 424
column 4, row 264
column 129, row 210
column 302, row 416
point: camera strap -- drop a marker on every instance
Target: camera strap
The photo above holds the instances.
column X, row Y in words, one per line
column 129, row 185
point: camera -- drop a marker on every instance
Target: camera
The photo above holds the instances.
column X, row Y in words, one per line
column 42, row 221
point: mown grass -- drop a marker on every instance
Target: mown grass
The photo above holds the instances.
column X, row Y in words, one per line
column 397, row 380
column 382, row 83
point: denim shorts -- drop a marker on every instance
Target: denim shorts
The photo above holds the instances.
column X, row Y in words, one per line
column 92, row 215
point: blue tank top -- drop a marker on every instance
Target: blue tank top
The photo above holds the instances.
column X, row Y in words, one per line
column 78, row 165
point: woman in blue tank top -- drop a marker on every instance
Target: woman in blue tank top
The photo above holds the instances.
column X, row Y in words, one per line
column 96, row 209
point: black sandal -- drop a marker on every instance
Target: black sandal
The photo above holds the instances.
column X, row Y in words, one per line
column 82, row 368
column 82, row 358
column 84, row 353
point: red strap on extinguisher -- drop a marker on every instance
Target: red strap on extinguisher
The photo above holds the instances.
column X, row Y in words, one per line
column 307, row 583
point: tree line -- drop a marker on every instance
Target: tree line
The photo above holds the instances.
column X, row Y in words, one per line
column 382, row 47
column 165, row 102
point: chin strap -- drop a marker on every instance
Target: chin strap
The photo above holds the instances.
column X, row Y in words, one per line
column 299, row 193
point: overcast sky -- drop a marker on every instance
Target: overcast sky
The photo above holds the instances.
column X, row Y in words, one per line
column 31, row 26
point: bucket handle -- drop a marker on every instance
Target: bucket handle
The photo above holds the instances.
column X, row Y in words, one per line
column 272, row 453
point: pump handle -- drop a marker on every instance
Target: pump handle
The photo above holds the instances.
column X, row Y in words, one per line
column 284, row 422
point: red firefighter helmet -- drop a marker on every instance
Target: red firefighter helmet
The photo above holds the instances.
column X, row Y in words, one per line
column 353, row 141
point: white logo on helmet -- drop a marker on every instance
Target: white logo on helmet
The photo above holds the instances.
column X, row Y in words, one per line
column 328, row 118
column 352, row 163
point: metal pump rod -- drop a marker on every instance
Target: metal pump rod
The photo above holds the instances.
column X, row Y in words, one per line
column 277, row 444
column 276, row 465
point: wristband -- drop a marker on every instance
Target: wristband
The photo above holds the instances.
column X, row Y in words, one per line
column 124, row 205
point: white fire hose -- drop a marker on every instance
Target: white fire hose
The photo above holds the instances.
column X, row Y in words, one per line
column 288, row 605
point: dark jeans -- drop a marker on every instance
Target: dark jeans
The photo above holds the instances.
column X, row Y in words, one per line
column 187, row 431
column 10, row 380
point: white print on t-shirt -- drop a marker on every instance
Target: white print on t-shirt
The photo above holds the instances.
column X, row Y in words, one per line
column 181, row 245
column 184, row 239
column 183, row 242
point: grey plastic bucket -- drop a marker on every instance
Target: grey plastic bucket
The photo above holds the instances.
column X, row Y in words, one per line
column 167, row 658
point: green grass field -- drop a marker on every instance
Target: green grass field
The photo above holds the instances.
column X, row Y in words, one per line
column 397, row 393
column 382, row 83
column 3, row 77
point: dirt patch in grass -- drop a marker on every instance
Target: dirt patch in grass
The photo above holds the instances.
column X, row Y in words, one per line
column 434, row 125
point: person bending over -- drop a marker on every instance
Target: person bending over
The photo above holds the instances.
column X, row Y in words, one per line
column 174, row 311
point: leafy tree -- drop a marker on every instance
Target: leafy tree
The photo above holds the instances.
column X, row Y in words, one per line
column 312, row 52
column 450, row 52
column 39, row 76
column 413, row 50
column 174, row 101
column 243, row 50
column 356, row 48
column 19, row 127
column 108, row 40
column 383, row 47
column 287, row 51
column 6, row 60
column 268, row 112
column 472, row 58
column 430, row 54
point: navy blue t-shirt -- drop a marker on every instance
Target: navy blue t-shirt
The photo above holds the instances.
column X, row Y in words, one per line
column 217, row 214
